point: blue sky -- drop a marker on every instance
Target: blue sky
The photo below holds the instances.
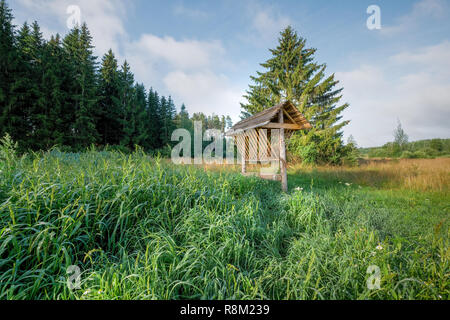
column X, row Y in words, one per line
column 203, row 52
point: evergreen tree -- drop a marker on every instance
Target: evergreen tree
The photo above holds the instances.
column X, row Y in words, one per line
column 39, row 109
column 182, row 119
column 78, row 45
column 127, row 98
column 11, row 117
column 54, row 91
column 109, row 112
column 164, row 114
column 291, row 74
column 168, row 113
column 154, row 124
column 23, row 90
column 140, row 136
column 229, row 122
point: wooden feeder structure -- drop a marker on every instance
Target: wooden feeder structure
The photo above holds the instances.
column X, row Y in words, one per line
column 262, row 138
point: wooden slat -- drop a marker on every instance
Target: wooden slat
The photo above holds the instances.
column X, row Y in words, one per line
column 289, row 126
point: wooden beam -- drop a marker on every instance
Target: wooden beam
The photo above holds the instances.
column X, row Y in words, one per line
column 283, row 164
column 289, row 116
column 288, row 126
column 244, row 168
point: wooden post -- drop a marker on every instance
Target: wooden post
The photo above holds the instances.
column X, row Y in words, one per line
column 244, row 168
column 283, row 164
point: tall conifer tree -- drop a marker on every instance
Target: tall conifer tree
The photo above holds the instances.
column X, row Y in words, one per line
column 141, row 137
column 292, row 74
column 154, row 124
column 78, row 44
column 110, row 112
column 127, row 99
column 10, row 116
column 56, row 77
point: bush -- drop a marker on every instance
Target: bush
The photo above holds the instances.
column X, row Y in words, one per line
column 309, row 154
column 429, row 152
column 408, row 155
column 420, row 155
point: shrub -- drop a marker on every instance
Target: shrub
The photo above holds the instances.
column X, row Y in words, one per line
column 408, row 155
column 309, row 154
column 420, row 155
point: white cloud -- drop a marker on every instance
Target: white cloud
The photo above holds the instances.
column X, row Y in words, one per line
column 205, row 92
column 104, row 18
column 188, row 70
column 181, row 10
column 266, row 23
column 185, row 54
column 421, row 10
column 419, row 98
column 433, row 58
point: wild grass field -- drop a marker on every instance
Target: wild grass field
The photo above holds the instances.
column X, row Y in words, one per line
column 141, row 228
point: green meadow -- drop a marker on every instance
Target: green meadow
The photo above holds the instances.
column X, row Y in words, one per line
column 141, row 228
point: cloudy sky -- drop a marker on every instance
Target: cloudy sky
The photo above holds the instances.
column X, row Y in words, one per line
column 203, row 52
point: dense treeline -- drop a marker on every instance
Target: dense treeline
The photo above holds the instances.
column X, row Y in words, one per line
column 402, row 148
column 422, row 149
column 56, row 92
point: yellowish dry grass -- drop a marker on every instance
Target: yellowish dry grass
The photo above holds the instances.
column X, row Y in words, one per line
column 412, row 174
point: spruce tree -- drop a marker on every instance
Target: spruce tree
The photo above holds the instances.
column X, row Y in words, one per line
column 292, row 74
column 168, row 113
column 127, row 98
column 141, row 137
column 109, row 113
column 78, row 45
column 164, row 114
column 23, row 90
column 9, row 115
column 229, row 122
column 154, row 124
column 39, row 109
column 54, row 83
column 182, row 119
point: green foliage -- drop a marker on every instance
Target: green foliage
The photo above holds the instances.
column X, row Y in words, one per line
column 424, row 149
column 83, row 88
column 400, row 139
column 402, row 148
column 437, row 145
column 292, row 74
column 8, row 152
column 110, row 110
column 141, row 229
column 8, row 65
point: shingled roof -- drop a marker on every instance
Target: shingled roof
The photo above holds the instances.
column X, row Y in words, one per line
column 270, row 115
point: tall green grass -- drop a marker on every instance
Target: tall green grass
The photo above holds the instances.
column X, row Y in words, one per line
column 142, row 229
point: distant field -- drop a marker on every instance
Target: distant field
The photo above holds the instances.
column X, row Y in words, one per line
column 140, row 228
column 412, row 174
column 423, row 149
